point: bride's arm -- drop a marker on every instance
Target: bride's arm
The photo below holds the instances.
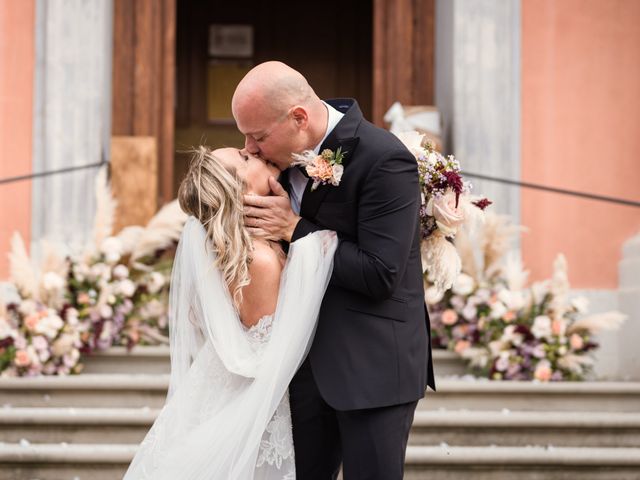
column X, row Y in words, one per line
column 259, row 298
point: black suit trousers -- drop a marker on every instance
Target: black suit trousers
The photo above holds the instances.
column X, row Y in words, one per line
column 370, row 443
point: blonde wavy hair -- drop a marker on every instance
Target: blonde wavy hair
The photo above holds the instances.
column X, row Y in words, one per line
column 213, row 193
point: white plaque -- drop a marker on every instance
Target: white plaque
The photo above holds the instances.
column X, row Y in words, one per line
column 231, row 41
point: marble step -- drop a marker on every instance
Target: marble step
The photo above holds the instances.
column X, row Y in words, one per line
column 109, row 462
column 140, row 390
column 462, row 428
column 155, row 359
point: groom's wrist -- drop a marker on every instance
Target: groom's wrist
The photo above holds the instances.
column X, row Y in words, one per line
column 303, row 228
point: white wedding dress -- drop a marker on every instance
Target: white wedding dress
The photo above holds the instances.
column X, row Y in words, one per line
column 227, row 413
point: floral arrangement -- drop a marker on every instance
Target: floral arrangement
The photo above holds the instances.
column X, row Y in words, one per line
column 323, row 169
column 447, row 205
column 112, row 293
column 505, row 329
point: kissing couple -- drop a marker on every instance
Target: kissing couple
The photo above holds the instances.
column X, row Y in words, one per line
column 300, row 339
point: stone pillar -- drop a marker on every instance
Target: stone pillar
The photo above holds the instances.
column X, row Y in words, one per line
column 478, row 91
column 72, row 113
column 629, row 304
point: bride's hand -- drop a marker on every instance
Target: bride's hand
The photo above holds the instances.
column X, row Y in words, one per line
column 270, row 217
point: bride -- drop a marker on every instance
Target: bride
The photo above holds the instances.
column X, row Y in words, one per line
column 242, row 318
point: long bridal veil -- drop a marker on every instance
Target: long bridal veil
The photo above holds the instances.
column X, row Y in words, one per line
column 225, row 386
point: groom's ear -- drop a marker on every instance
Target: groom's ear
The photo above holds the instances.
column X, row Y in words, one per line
column 300, row 116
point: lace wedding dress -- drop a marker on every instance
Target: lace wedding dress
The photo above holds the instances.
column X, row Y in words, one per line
column 227, row 413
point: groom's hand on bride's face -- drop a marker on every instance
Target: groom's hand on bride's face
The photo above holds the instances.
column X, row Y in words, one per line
column 270, row 217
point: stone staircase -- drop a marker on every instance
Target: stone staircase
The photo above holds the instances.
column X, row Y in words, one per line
column 88, row 426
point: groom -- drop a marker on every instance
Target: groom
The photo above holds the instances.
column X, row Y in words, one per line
column 354, row 397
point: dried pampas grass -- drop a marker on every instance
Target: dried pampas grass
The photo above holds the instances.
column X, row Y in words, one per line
column 576, row 363
column 105, row 209
column 598, row 322
column 21, row 271
column 161, row 231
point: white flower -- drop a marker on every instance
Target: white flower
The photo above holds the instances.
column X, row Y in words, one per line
column 50, row 325
column 497, row 310
column 120, row 271
column 111, row 247
column 463, row 285
column 338, row 170
column 52, row 281
column 432, row 159
column 156, row 282
column 503, row 362
column 541, row 326
column 105, row 311
column 39, row 342
column 63, row 345
column 509, row 335
column 107, row 330
column 81, row 271
column 469, row 311
column 433, row 295
column 413, row 141
column 5, row 329
column 539, row 290
column 100, row 271
column 72, row 316
column 513, row 300
column 448, row 215
column 27, row 307
column 581, row 304
column 126, row 287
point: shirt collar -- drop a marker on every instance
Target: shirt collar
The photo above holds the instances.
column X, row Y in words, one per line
column 333, row 118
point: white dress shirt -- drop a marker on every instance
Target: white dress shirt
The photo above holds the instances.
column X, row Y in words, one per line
column 297, row 180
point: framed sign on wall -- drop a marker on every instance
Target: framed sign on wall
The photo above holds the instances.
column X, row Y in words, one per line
column 230, row 52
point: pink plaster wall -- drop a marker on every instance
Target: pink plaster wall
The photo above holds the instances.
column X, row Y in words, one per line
column 580, row 131
column 17, row 19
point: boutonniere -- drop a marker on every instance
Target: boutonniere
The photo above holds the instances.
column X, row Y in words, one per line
column 323, row 169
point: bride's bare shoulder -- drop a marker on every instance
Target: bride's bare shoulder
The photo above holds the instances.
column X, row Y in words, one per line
column 259, row 298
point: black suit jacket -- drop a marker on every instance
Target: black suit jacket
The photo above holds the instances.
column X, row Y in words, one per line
column 372, row 344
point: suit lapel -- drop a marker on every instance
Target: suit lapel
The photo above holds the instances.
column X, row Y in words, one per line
column 342, row 136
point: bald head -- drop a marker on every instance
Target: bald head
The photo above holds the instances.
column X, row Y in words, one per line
column 278, row 113
column 273, row 85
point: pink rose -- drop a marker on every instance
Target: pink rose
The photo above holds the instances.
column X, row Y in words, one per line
column 576, row 342
column 22, row 359
column 558, row 326
column 32, row 321
column 461, row 346
column 543, row 372
column 321, row 169
column 448, row 216
column 449, row 317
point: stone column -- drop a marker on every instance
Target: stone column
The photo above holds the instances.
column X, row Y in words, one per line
column 629, row 303
column 478, row 91
column 72, row 112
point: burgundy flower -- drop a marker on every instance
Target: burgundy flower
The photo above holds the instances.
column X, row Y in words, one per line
column 482, row 204
column 454, row 180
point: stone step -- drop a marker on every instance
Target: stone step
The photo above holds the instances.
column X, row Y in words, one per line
column 523, row 463
column 109, row 390
column 76, row 425
column 462, row 428
column 506, row 428
column 107, row 462
column 598, row 396
column 140, row 390
column 149, row 360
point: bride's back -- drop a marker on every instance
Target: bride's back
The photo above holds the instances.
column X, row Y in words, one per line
column 259, row 297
